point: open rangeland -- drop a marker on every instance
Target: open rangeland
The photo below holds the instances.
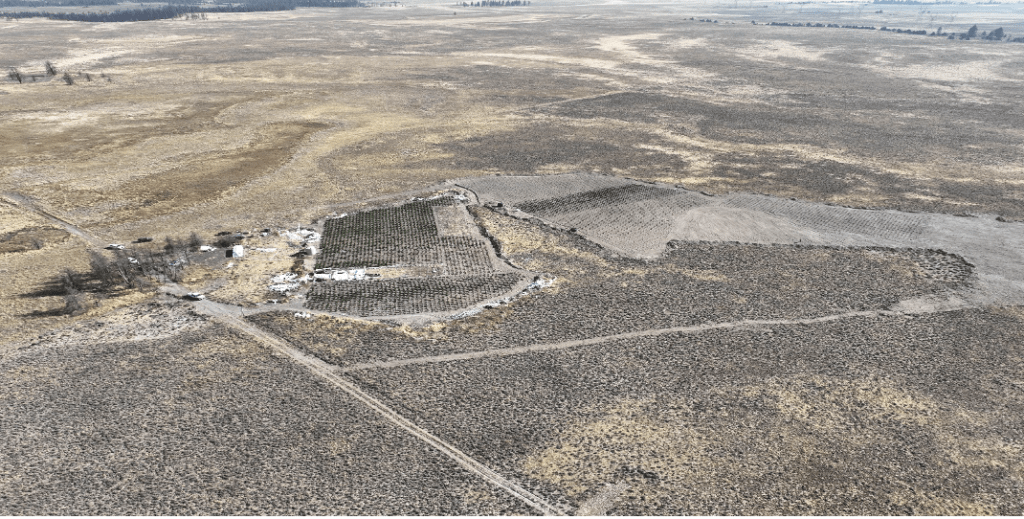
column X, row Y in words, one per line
column 593, row 259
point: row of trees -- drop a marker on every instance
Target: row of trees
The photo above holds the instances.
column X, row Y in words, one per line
column 182, row 10
column 996, row 35
column 16, row 75
column 125, row 269
column 55, row 3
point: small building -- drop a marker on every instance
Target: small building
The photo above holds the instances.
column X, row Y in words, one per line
column 236, row 251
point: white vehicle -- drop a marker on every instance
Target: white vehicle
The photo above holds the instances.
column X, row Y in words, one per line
column 114, row 246
column 194, row 296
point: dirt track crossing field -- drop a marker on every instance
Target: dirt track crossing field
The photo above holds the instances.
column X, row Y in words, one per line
column 777, row 418
column 541, row 470
column 762, row 269
column 328, row 372
column 226, row 315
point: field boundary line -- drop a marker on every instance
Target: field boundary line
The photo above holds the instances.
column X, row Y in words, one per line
column 697, row 328
column 329, row 372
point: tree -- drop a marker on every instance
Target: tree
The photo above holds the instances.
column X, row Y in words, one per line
column 68, row 79
column 15, row 75
column 70, row 282
column 996, row 34
column 74, row 303
column 50, row 69
column 194, row 241
column 972, row 32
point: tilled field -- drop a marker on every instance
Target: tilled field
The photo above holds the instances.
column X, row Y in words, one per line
column 516, row 189
column 410, row 296
column 638, row 219
column 403, row 235
column 448, row 265
column 863, row 416
column 600, row 294
column 595, row 199
column 207, row 424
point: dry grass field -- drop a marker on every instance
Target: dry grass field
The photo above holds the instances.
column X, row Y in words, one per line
column 787, row 262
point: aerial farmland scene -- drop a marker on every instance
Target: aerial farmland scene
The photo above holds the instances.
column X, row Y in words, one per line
column 509, row 257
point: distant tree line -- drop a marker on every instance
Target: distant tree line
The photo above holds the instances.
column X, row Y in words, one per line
column 55, row 3
column 996, row 35
column 176, row 10
column 497, row 3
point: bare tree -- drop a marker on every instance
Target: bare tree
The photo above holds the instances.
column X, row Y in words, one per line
column 15, row 75
column 194, row 241
column 70, row 281
column 102, row 270
column 68, row 79
column 50, row 69
column 75, row 303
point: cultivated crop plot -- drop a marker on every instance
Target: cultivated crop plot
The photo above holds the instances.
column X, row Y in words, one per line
column 441, row 261
column 639, row 219
column 410, row 296
column 519, row 188
column 402, row 235
column 596, row 199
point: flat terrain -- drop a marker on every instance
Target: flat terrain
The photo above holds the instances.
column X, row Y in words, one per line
column 776, row 270
column 206, row 422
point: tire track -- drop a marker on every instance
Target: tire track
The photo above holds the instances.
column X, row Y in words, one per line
column 329, row 372
column 698, row 328
column 225, row 315
column 28, row 205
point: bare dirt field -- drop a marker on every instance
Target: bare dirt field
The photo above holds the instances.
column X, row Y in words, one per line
column 778, row 269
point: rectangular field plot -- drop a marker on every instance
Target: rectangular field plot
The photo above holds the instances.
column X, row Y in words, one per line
column 405, row 234
column 640, row 229
column 863, row 416
column 408, row 235
column 596, row 199
column 636, row 220
column 452, row 221
column 878, row 226
column 409, row 296
column 516, row 189
column 208, row 423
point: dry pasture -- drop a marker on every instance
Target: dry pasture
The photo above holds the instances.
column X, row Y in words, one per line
column 862, row 374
